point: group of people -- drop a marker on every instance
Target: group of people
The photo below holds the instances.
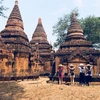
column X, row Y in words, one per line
column 85, row 73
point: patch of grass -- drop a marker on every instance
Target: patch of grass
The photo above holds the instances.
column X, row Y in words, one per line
column 9, row 90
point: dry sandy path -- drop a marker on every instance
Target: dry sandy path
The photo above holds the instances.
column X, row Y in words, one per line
column 40, row 90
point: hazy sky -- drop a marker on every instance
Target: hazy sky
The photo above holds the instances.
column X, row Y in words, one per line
column 49, row 11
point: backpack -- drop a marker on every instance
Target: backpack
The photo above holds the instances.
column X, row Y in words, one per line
column 82, row 70
column 89, row 72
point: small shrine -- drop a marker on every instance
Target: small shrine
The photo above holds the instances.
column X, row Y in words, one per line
column 16, row 40
column 76, row 49
column 41, row 49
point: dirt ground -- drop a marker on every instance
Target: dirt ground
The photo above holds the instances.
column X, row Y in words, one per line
column 41, row 90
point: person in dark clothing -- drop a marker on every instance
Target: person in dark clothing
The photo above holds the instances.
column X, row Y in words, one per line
column 72, row 75
column 53, row 69
column 82, row 74
column 88, row 74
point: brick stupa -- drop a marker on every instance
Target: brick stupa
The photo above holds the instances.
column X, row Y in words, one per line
column 76, row 49
column 39, row 41
column 16, row 39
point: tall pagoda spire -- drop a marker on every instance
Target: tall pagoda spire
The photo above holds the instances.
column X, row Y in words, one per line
column 15, row 19
column 41, row 47
column 39, row 36
column 16, row 40
column 75, row 36
column 15, row 12
column 14, row 30
column 16, row 2
column 74, row 29
column 39, row 31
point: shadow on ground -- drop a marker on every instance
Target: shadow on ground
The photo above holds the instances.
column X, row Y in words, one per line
column 10, row 90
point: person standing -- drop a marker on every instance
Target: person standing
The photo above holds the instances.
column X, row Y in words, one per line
column 88, row 74
column 60, row 73
column 72, row 75
column 82, row 74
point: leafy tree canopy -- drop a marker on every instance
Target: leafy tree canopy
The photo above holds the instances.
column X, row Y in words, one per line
column 90, row 26
column 2, row 9
column 60, row 28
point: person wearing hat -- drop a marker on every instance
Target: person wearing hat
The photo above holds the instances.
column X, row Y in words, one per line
column 88, row 74
column 82, row 74
column 72, row 75
column 60, row 73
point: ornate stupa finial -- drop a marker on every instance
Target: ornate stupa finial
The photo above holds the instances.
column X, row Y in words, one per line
column 39, row 21
column 39, row 31
column 16, row 2
column 73, row 15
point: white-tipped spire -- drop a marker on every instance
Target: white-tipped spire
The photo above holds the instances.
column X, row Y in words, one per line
column 16, row 2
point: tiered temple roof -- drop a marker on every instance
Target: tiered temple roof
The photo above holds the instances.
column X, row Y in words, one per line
column 76, row 44
column 76, row 49
column 39, row 39
column 74, row 39
column 13, row 34
column 74, row 30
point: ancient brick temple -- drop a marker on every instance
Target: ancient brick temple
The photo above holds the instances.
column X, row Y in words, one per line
column 28, row 58
column 41, row 49
column 76, row 49
column 6, row 59
column 16, row 40
column 19, row 57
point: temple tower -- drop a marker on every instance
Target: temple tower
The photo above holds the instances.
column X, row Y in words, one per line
column 16, row 39
column 76, row 49
column 41, row 46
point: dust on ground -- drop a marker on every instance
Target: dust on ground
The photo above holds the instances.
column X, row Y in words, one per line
column 41, row 90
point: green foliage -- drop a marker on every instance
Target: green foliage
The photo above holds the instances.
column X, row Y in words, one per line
column 90, row 25
column 61, row 27
column 2, row 9
column 91, row 28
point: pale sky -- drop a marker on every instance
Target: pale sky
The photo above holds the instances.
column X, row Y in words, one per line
column 49, row 11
